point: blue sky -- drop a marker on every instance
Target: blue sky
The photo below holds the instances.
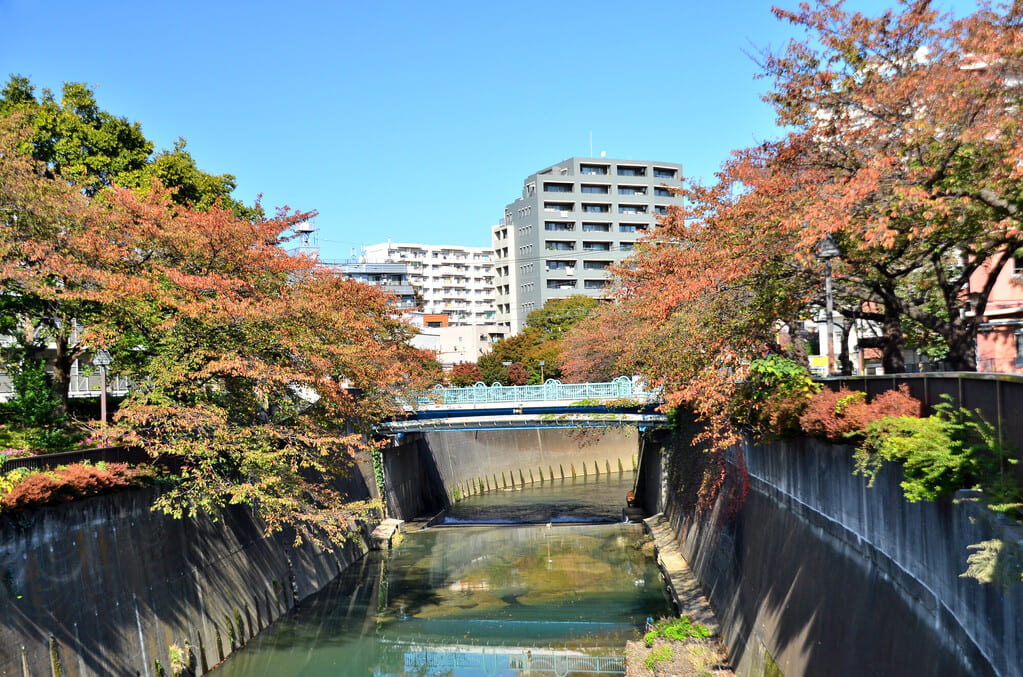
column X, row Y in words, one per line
column 414, row 121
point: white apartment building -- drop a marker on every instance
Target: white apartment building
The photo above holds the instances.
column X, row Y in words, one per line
column 451, row 280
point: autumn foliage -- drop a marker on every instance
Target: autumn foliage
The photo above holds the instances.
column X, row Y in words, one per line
column 67, row 483
column 902, row 142
column 259, row 371
column 843, row 415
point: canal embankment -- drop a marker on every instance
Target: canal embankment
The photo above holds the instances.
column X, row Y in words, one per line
column 810, row 571
column 105, row 586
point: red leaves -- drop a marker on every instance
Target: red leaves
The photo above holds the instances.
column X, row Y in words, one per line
column 68, row 483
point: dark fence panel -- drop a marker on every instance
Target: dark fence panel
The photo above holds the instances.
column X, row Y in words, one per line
column 998, row 397
column 132, row 455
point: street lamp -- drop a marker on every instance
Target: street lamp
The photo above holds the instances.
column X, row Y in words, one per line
column 542, row 363
column 827, row 250
column 102, row 360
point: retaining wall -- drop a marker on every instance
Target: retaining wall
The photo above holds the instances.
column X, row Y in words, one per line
column 104, row 586
column 815, row 573
column 429, row 471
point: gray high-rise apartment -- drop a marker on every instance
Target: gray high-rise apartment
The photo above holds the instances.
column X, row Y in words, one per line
column 573, row 221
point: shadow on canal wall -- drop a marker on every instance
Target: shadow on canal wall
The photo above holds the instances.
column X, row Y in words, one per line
column 427, row 472
column 814, row 573
column 104, row 586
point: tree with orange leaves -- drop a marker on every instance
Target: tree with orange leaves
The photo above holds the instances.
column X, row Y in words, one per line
column 902, row 143
column 257, row 371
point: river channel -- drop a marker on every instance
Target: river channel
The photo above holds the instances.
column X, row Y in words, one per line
column 541, row 581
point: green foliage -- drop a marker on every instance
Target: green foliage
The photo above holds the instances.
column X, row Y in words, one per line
column 940, row 454
column 661, row 653
column 774, row 394
column 36, row 411
column 677, row 629
column 557, row 316
column 932, row 464
column 994, row 562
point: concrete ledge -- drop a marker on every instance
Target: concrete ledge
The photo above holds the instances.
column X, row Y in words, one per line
column 682, row 584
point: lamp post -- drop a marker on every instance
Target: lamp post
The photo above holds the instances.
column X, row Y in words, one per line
column 827, row 250
column 102, row 360
column 542, row 363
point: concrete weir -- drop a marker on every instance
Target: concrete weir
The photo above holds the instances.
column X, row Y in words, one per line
column 428, row 471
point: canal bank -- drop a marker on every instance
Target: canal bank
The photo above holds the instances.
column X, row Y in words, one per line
column 105, row 586
column 812, row 572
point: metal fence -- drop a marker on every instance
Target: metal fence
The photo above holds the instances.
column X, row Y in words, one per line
column 620, row 388
column 998, row 397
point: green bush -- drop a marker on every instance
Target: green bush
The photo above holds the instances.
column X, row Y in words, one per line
column 678, row 629
column 951, row 450
column 774, row 394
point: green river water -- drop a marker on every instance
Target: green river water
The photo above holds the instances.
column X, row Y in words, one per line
column 531, row 593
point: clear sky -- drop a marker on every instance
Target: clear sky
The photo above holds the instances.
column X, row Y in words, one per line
column 414, row 121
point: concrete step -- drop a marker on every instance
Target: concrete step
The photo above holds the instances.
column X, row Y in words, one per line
column 383, row 534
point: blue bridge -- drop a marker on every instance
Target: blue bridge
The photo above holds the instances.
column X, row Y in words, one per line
column 550, row 405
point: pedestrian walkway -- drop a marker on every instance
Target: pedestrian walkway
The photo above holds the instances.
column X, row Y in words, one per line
column 682, row 584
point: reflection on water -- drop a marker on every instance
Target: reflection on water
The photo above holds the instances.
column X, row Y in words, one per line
column 495, row 600
column 582, row 499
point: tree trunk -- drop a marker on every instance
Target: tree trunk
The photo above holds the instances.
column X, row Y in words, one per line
column 844, row 363
column 892, row 357
column 62, row 374
column 962, row 347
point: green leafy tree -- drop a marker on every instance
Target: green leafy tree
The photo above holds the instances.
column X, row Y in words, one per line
column 557, row 316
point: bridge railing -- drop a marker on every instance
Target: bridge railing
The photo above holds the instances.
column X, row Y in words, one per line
column 620, row 388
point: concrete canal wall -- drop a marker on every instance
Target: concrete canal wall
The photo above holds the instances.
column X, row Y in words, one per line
column 428, row 471
column 814, row 573
column 104, row 586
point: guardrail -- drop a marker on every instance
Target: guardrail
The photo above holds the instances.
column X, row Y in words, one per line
column 553, row 390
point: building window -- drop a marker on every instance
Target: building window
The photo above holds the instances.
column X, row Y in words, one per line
column 561, row 284
column 596, row 246
column 626, row 247
column 596, row 227
column 561, row 266
column 557, row 187
column 558, row 225
column 594, row 188
column 631, row 171
column 558, row 206
column 661, row 192
column 596, row 209
column 631, row 190
column 632, row 209
column 660, row 210
column 1019, row 347
column 594, row 170
column 559, row 246
column 595, row 284
column 664, row 173
column 596, row 265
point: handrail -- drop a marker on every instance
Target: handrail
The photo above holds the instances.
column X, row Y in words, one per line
column 620, row 388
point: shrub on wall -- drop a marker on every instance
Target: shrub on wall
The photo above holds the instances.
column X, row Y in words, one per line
column 67, row 483
column 774, row 394
column 844, row 415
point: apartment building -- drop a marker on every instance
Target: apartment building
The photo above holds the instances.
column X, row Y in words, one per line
column 449, row 280
column 574, row 220
column 393, row 278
